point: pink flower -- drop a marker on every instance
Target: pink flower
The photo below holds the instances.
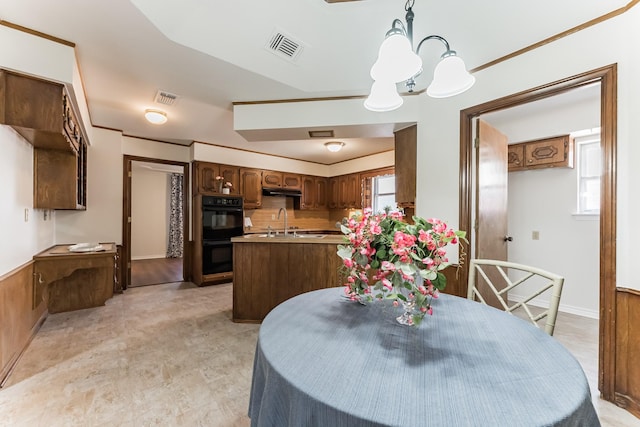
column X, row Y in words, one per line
column 388, row 266
column 387, row 284
column 348, row 262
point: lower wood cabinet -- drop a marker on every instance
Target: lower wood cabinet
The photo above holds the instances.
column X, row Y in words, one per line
column 69, row 281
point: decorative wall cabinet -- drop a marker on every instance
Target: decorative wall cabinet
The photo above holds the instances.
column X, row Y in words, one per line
column 251, row 187
column 275, row 179
column 42, row 112
column 542, row 153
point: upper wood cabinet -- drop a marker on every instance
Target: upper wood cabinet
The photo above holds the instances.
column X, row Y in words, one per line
column 251, row 187
column 205, row 178
column 275, row 179
column 405, row 166
column 345, row 192
column 314, row 193
column 42, row 112
column 542, row 153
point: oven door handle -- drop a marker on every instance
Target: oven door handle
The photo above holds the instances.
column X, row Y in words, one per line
column 216, row 242
column 225, row 210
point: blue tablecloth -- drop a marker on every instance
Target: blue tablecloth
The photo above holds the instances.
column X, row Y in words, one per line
column 322, row 360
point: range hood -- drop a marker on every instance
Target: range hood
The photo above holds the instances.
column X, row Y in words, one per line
column 281, row 192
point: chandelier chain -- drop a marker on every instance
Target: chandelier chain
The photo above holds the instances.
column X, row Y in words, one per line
column 409, row 4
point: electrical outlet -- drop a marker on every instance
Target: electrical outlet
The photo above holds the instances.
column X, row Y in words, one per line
column 535, row 235
column 273, row 216
column 26, row 214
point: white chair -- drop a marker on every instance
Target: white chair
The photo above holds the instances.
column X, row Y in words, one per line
column 494, row 288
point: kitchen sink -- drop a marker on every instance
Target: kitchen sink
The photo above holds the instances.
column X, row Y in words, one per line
column 288, row 236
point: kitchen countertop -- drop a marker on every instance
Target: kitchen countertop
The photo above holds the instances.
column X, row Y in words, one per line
column 289, row 238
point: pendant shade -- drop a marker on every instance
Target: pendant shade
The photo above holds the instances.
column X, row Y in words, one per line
column 383, row 97
column 396, row 61
column 450, row 78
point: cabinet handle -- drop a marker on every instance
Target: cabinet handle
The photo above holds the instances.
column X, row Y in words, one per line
column 530, row 160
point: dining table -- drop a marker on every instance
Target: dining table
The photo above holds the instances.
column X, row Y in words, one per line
column 324, row 360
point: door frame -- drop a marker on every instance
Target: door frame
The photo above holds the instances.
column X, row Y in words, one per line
column 607, row 77
column 126, row 215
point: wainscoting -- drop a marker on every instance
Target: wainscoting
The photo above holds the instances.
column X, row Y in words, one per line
column 19, row 321
column 627, row 384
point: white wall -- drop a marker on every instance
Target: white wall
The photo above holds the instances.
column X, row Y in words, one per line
column 22, row 237
column 150, row 204
column 544, row 200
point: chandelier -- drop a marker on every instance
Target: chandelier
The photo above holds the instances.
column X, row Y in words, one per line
column 397, row 62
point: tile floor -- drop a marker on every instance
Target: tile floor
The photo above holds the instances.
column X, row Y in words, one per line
column 168, row 355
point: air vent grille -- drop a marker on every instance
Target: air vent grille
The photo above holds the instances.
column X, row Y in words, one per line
column 166, row 98
column 284, row 46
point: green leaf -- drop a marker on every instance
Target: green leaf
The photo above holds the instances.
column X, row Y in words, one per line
column 345, row 229
column 344, row 252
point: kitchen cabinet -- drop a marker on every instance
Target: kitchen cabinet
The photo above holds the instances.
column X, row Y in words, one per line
column 205, row 174
column 314, row 193
column 275, row 179
column 251, row 187
column 542, row 153
column 345, row 192
column 42, row 112
column 405, row 166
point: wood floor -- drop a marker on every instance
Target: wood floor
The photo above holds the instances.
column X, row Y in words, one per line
column 155, row 271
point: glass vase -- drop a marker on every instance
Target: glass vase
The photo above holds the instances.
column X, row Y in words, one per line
column 409, row 306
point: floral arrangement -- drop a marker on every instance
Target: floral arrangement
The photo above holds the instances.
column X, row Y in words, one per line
column 386, row 258
column 222, row 184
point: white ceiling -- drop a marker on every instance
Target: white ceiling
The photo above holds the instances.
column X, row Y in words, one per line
column 212, row 53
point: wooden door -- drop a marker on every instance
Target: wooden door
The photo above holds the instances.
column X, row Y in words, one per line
column 271, row 179
column 206, row 174
column 251, row 187
column 307, row 201
column 231, row 174
column 321, row 201
column 333, row 192
column 491, row 200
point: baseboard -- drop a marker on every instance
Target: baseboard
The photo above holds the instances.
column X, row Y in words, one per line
column 4, row 376
column 570, row 309
column 141, row 257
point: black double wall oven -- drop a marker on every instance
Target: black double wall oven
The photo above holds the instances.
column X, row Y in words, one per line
column 222, row 219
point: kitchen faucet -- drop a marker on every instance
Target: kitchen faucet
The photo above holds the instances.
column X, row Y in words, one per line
column 285, row 218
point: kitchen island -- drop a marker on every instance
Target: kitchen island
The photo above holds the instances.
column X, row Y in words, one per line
column 268, row 270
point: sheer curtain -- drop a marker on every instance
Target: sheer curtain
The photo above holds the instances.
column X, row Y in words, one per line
column 174, row 248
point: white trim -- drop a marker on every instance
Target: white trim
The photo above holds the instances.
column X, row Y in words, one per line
column 585, row 216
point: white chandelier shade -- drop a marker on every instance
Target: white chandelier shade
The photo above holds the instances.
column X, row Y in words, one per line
column 397, row 61
column 450, row 78
column 383, row 97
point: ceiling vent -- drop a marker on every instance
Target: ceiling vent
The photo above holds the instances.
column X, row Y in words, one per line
column 166, row 98
column 321, row 133
column 284, row 46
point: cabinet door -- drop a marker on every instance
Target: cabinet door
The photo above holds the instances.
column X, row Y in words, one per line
column 354, row 191
column 307, row 201
column 291, row 181
column 321, row 201
column 251, row 187
column 55, row 179
column 548, row 152
column 206, row 174
column 271, row 179
column 231, row 174
column 515, row 157
column 333, row 192
column 405, row 166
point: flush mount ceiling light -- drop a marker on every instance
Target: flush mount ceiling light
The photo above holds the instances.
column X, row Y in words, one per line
column 397, row 62
column 334, row 146
column 156, row 117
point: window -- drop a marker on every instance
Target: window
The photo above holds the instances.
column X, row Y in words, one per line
column 589, row 170
column 384, row 193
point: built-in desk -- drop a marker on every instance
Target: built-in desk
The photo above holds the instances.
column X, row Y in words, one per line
column 69, row 281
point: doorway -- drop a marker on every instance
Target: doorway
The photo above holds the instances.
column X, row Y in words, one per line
column 166, row 271
column 607, row 77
